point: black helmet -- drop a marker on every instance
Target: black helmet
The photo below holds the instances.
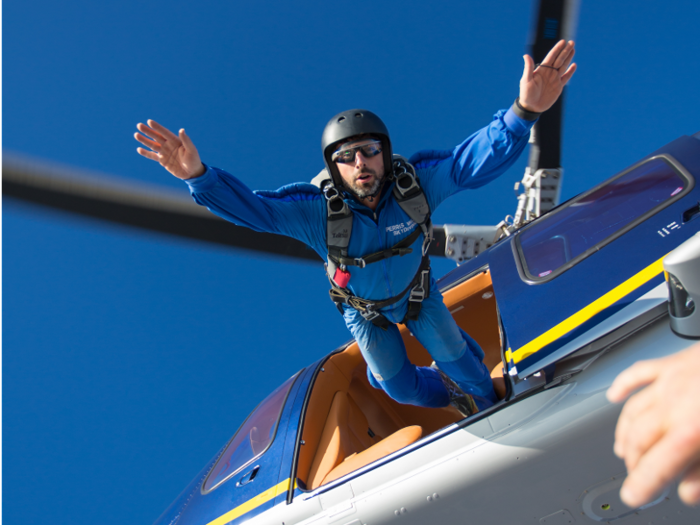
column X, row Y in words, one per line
column 348, row 124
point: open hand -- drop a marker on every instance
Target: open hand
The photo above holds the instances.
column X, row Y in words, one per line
column 541, row 86
column 176, row 153
column 658, row 433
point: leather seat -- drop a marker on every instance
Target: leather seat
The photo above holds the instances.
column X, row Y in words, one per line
column 398, row 440
column 347, row 443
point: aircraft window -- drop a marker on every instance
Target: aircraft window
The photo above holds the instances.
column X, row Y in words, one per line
column 590, row 221
column 252, row 439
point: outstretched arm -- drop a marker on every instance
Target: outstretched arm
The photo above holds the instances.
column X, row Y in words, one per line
column 658, row 433
column 176, row 153
column 541, row 86
column 489, row 152
column 297, row 211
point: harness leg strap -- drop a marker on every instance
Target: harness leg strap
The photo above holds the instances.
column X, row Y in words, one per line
column 413, row 312
column 376, row 319
column 418, row 294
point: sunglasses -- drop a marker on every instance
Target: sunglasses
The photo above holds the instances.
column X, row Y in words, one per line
column 346, row 153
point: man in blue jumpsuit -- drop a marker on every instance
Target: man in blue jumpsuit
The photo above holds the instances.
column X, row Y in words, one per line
column 361, row 169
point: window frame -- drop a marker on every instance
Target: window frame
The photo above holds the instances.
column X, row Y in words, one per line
column 205, row 491
column 519, row 255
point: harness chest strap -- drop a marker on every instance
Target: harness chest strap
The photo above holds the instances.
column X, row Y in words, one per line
column 401, row 248
column 419, row 289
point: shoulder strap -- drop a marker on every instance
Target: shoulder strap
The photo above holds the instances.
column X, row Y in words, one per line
column 338, row 227
column 411, row 198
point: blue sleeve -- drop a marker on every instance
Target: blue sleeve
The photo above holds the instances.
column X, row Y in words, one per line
column 296, row 210
column 484, row 156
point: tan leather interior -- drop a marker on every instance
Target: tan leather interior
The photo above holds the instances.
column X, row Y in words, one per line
column 349, row 424
column 473, row 305
column 398, row 440
column 348, row 442
column 499, row 383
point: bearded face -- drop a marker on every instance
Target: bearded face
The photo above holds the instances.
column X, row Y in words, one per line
column 361, row 166
column 366, row 183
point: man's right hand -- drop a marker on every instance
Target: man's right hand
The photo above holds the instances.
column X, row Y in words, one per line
column 176, row 153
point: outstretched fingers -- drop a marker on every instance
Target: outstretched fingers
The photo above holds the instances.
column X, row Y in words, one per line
column 163, row 142
column 186, row 140
column 528, row 68
column 551, row 57
column 162, row 130
column 565, row 56
column 634, row 427
column 638, row 375
column 641, row 435
column 658, row 467
column 152, row 144
column 569, row 73
column 149, row 132
column 559, row 54
column 689, row 488
column 152, row 155
column 176, row 153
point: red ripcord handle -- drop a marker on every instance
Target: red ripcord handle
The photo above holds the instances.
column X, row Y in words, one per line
column 341, row 277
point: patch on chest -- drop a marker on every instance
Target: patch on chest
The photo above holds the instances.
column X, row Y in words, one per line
column 401, row 228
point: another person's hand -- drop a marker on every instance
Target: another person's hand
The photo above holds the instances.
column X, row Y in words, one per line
column 541, row 86
column 658, row 433
column 176, row 153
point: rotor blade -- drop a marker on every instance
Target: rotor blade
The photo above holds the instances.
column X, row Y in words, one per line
column 462, row 242
column 134, row 204
column 554, row 20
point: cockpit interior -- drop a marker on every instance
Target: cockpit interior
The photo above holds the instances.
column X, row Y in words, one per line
column 349, row 424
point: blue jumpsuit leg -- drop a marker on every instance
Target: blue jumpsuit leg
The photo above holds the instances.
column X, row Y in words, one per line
column 389, row 368
column 454, row 351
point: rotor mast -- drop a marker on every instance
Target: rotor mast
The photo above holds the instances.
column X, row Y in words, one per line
column 541, row 184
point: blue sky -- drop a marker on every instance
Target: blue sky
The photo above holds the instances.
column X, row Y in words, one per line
column 129, row 359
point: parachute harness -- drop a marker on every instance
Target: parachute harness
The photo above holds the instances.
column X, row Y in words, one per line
column 411, row 198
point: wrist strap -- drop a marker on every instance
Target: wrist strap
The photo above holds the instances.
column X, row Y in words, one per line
column 524, row 113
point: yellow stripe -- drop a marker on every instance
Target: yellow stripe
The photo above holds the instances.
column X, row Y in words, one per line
column 587, row 313
column 249, row 505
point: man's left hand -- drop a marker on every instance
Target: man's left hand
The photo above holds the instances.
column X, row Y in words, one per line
column 541, row 86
